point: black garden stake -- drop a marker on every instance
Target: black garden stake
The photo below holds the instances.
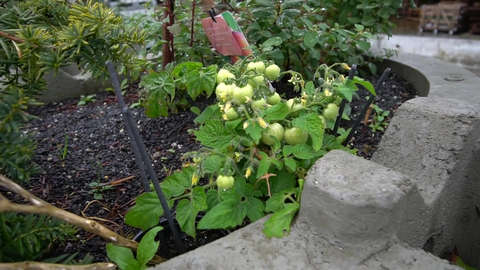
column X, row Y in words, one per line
column 365, row 108
column 344, row 102
column 141, row 156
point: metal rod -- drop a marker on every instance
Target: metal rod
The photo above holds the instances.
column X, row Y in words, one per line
column 121, row 104
column 138, row 144
column 367, row 105
column 344, row 102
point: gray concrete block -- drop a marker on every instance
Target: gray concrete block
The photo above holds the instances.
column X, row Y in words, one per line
column 355, row 203
column 436, row 143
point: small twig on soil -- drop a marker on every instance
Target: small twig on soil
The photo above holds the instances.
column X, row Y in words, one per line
column 114, row 182
column 100, row 219
column 42, row 207
column 54, row 266
column 367, row 115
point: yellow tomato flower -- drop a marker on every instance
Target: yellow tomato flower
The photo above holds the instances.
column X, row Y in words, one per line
column 248, row 172
column 327, row 93
column 194, row 179
column 245, row 125
column 345, row 66
column 262, row 122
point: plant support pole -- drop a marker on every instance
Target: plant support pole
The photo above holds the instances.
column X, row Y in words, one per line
column 344, row 101
column 142, row 157
column 365, row 108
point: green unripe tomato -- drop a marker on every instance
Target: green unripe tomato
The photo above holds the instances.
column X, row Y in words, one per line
column 224, row 74
column 231, row 114
column 331, row 111
column 225, row 182
column 257, row 81
column 197, row 160
column 274, row 99
column 257, row 66
column 240, row 94
column 337, row 101
column 294, row 136
column 272, row 72
column 276, row 130
column 259, row 104
column 294, row 107
column 224, row 91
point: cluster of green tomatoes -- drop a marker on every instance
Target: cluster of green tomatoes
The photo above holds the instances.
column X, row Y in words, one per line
column 249, row 94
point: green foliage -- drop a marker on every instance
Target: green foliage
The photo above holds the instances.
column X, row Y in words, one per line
column 189, row 44
column 26, row 238
column 42, row 36
column 84, row 100
column 146, row 250
column 16, row 148
column 301, row 35
column 266, row 166
column 379, row 119
column 164, row 91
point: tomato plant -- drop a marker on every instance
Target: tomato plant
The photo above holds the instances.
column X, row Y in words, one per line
column 256, row 150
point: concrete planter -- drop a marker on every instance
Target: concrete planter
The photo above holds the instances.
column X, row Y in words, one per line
column 421, row 190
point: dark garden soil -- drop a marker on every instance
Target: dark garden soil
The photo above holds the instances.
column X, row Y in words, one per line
column 99, row 151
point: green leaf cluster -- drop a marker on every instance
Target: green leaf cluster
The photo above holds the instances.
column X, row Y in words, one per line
column 26, row 238
column 147, row 248
column 301, row 35
column 165, row 91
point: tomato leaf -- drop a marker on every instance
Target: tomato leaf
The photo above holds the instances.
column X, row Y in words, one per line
column 187, row 210
column 255, row 131
column 314, row 126
column 148, row 247
column 368, row 85
column 209, row 112
column 161, row 92
column 212, row 164
column 305, row 151
column 213, row 134
column 122, row 256
column 225, row 215
column 184, row 68
column 278, row 225
column 264, row 165
column 199, row 81
column 146, row 213
column 309, row 88
column 290, row 163
column 255, row 207
column 283, row 180
column 177, row 182
column 276, row 112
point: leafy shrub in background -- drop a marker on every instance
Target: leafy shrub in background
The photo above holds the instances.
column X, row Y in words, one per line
column 302, row 35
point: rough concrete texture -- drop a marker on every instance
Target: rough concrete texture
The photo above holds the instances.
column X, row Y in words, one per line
column 456, row 50
column 436, row 143
column 69, row 82
column 435, row 78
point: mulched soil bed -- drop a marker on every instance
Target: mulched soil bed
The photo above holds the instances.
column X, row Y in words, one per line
column 99, row 150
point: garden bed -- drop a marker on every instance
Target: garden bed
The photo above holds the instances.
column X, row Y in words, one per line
column 99, row 151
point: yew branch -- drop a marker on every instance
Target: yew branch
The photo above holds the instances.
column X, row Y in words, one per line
column 44, row 208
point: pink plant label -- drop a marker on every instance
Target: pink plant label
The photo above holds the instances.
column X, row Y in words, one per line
column 220, row 36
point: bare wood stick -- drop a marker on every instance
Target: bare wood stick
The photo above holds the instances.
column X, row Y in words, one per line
column 43, row 208
column 114, row 182
column 54, row 266
column 5, row 35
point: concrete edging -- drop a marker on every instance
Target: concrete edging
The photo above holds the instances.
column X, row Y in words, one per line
column 419, row 191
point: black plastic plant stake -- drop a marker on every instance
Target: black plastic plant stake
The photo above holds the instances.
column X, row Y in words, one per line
column 344, row 102
column 141, row 156
column 365, row 108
